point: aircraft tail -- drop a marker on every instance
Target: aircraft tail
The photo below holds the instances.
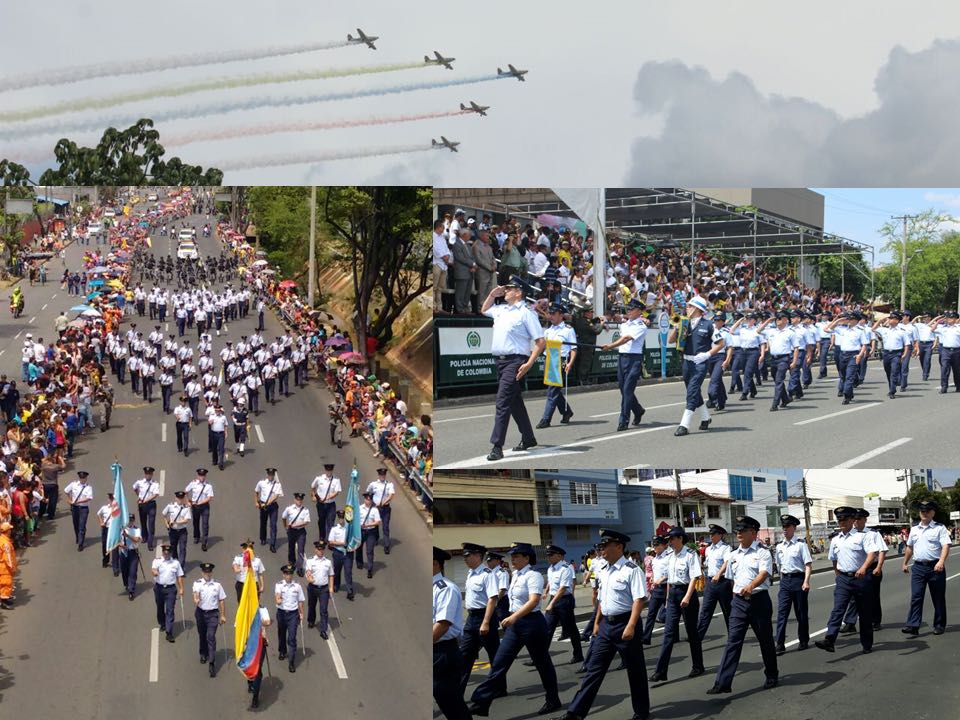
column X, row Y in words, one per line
column 462, row 106
column 426, row 58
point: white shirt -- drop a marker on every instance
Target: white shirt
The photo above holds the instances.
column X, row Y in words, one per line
column 781, row 342
column 198, row 490
column 369, row 515
column 683, row 567
column 266, row 488
column 241, row 576
column 715, row 555
column 210, row 593
column 170, row 570
column 296, row 517
column 621, row 584
column 848, row 339
column 291, row 595
column 562, row 332
column 848, row 550
column 218, row 422
column 793, row 555
column 79, row 493
column 447, row 606
column 177, row 515
column 320, row 569
column 560, row 575
column 515, row 327
column 744, row 566
column 381, row 491
column 324, row 486
column 636, row 329
column 480, row 586
column 525, row 583
column 146, row 490
column 338, row 534
column 440, row 251
column 928, row 540
column 660, row 563
column 893, row 338
column 105, row 512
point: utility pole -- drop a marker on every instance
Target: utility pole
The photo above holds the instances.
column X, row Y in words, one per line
column 903, row 261
column 676, row 476
column 311, row 283
column 806, row 506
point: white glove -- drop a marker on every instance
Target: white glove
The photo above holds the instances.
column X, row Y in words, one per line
column 700, row 358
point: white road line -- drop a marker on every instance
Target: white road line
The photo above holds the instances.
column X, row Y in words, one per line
column 3, row 351
column 163, row 432
column 839, row 412
column 154, row 653
column 52, row 297
column 651, row 407
column 824, row 587
column 18, row 335
column 853, row 462
column 32, row 319
column 259, row 433
column 337, row 659
column 163, row 479
column 813, row 635
column 468, row 417
column 167, row 329
column 44, row 306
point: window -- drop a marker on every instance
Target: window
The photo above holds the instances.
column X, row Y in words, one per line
column 737, row 511
column 691, row 515
column 581, row 533
column 781, row 491
column 583, row 493
column 773, row 516
column 482, row 511
column 757, row 478
column 713, row 512
column 741, row 487
column 663, row 510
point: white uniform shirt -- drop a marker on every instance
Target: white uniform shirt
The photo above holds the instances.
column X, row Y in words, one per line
column 560, row 575
column 369, row 515
column 637, row 330
column 266, row 488
column 481, row 585
column 781, row 342
column 447, row 606
column 325, row 485
column 296, row 517
column 683, row 567
column 928, row 540
column 924, row 333
column 525, row 583
column 198, row 491
column 105, row 512
column 170, row 570
column 562, row 332
column 515, row 327
column 146, row 490
column 620, row 585
column 178, row 515
column 291, row 595
column 848, row 339
column 793, row 555
column 744, row 566
column 381, row 491
column 893, row 338
column 848, row 550
column 715, row 555
column 78, row 493
column 258, row 569
column 218, row 422
column 338, row 534
column 320, row 568
column 210, row 592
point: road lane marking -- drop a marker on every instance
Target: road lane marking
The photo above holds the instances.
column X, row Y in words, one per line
column 163, row 432
column 44, row 307
column 163, row 479
column 52, row 297
column 853, row 462
column 813, row 635
column 3, row 351
column 337, row 659
column 839, row 412
column 259, row 433
column 32, row 319
column 651, row 407
column 824, row 587
column 468, row 417
column 154, row 653
column 18, row 335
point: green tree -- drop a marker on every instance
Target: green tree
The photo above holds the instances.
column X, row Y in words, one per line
column 920, row 493
column 847, row 273
column 15, row 183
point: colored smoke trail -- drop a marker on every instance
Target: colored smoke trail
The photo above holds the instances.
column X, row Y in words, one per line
column 300, row 158
column 222, row 83
column 227, row 106
column 273, row 128
column 64, row 76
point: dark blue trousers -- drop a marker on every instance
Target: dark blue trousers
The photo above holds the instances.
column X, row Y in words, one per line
column 343, row 565
column 509, row 402
column 848, row 373
column 326, row 518
column 693, row 376
column 791, row 596
column 148, row 521
column 555, row 401
column 793, row 386
column 755, row 612
column 716, row 391
column 671, row 628
column 288, row 622
column 166, row 598
column 318, row 594
column 207, row 623
column 714, row 593
column 218, row 441
column 447, row 664
column 183, row 436
column 751, row 358
column 737, row 364
column 178, row 545
column 949, row 360
column 114, row 559
column 905, row 370
column 201, row 517
column 922, row 576
column 852, row 616
column 658, row 596
column 296, row 542
column 129, row 564
column 862, row 369
column 470, row 643
column 79, row 515
column 892, row 367
column 385, row 511
column 824, row 345
column 629, row 367
column 562, row 615
column 779, row 365
column 269, row 513
column 926, row 354
column 807, row 367
column 860, row 591
column 530, row 632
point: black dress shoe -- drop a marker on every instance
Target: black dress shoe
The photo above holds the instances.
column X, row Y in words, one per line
column 565, row 418
column 705, row 424
column 196, row 541
column 696, row 672
column 549, row 707
column 774, row 408
column 213, row 670
column 254, row 704
column 716, row 690
column 203, row 659
column 803, row 646
column 877, row 626
column 130, row 594
column 781, row 649
column 323, row 634
column 753, row 394
column 839, row 394
column 496, row 453
column 283, row 656
column 529, row 663
column 938, row 631
column 580, row 670
column 204, row 547
column 369, row 573
column 846, row 401
column 621, row 666
column 848, row 628
column 681, row 431
column 291, row 667
column 910, row 630
column 350, row 597
column 825, row 645
column 867, row 651
column 621, row 427
column 639, row 418
column 310, row 624
column 170, row 637
column 711, row 404
column 525, row 445
column 542, row 424
column 478, row 710
column 576, row 659
column 657, row 677
column 891, row 395
column 273, row 549
column 770, row 683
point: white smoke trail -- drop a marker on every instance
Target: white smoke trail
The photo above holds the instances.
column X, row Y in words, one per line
column 301, row 158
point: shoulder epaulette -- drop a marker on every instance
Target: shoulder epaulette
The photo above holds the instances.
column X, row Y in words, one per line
column 486, row 570
column 440, row 584
column 630, row 564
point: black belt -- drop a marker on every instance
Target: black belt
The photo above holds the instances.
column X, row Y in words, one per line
column 478, row 611
column 167, row 586
column 679, row 585
column 927, row 563
column 616, row 619
column 507, row 357
column 777, row 357
column 849, row 574
column 792, row 574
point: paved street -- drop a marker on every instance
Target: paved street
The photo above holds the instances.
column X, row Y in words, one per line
column 74, row 646
column 899, row 679
column 916, row 428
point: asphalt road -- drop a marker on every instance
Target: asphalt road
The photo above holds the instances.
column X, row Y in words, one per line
column 904, row 677
column 915, row 429
column 74, row 646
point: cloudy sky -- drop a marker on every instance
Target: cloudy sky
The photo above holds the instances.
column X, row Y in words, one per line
column 745, row 92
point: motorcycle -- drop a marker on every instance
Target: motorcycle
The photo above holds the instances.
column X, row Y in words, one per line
column 16, row 306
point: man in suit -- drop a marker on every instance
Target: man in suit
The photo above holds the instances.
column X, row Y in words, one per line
column 464, row 268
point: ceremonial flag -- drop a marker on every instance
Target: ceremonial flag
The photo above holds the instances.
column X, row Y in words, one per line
column 248, row 640
column 552, row 369
column 351, row 510
column 118, row 512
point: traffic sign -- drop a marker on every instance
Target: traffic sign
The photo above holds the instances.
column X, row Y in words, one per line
column 663, row 322
column 955, row 514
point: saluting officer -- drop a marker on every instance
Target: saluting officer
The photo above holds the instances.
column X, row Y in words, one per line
column 658, row 587
column 683, row 568
column 896, row 350
column 750, row 566
column 559, row 330
column 211, row 612
column 176, row 515
column 147, row 490
column 928, row 545
column 383, row 493
column 326, row 487
column 874, row 542
column 481, row 593
column 447, row 627
column 130, row 555
column 853, row 348
column 369, row 532
column 698, row 347
column 240, row 570
column 912, row 341
column 717, row 588
column 103, row 517
column 494, row 561
column 851, row 559
column 295, row 518
column 319, row 586
column 622, row 595
column 783, row 354
column 200, row 493
column 559, row 611
column 79, row 493
column 266, row 494
column 925, row 340
column 290, row 600
column 796, row 564
column 716, row 391
column 947, row 331
column 633, row 332
column 342, row 558
column 168, row 584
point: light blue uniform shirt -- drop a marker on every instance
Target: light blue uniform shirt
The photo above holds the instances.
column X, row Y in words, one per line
column 848, row 550
column 949, row 335
column 660, row 564
column 560, row 575
column 749, row 337
column 793, row 555
column 782, row 342
column 733, row 338
column 822, row 332
column 561, row 332
column 525, row 583
column 910, row 331
column 447, row 606
column 721, row 335
column 481, row 585
column 683, row 567
column 924, row 333
column 503, row 579
column 621, row 584
column 849, row 339
column 715, row 555
column 927, row 541
column 636, row 329
column 812, row 334
column 868, row 334
column 515, row 327
column 799, row 336
column 874, row 542
column 744, row 566
column 893, row 337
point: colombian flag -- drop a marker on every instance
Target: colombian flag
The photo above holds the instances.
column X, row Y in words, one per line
column 248, row 641
column 552, row 370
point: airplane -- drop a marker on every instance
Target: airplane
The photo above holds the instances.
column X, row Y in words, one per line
column 364, row 38
column 439, row 59
column 479, row 109
column 518, row 74
column 450, row 145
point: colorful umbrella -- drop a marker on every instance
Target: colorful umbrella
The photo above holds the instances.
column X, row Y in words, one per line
column 352, row 358
column 80, row 308
column 91, row 313
column 95, row 283
column 336, row 342
column 260, row 263
column 78, row 323
column 288, row 284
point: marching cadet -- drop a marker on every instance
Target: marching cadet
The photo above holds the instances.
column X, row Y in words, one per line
column 79, row 494
column 319, row 586
column 947, row 331
column 559, row 330
column 750, row 566
column 754, row 346
column 383, row 493
column 494, row 561
column 622, row 595
column 716, row 391
column 525, row 627
column 240, row 417
column 630, row 363
column 794, row 389
column 211, row 612
column 559, row 611
column 869, row 340
column 103, row 517
column 481, row 594
column 823, row 342
column 240, row 570
column 325, row 488
column 166, row 389
column 873, row 542
column 928, row 545
column 183, row 415
column 447, row 627
column 896, row 350
column 734, row 357
column 683, row 568
column 912, row 338
column 200, row 493
column 265, row 496
column 176, row 515
column 717, row 588
column 342, row 558
column 658, row 591
column 253, row 686
column 851, row 559
column 796, row 564
column 290, row 600
column 782, row 355
column 295, row 520
column 130, row 555
column 167, row 586
column 369, row 532
column 852, row 348
column 218, row 428
column 925, row 340
column 698, row 347
column 147, row 490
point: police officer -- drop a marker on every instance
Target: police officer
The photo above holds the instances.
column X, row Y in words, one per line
column 658, row 587
column 103, row 517
column 240, row 570
column 734, row 356
column 683, row 568
column 870, row 340
column 183, row 415
column 515, row 328
column 947, row 331
column 369, row 532
column 290, row 599
column 556, row 398
column 218, row 428
column 383, row 492
column 295, row 518
column 200, row 493
column 630, row 363
column 717, row 589
column 494, row 561
column 716, row 390
column 130, row 537
column 559, row 611
column 239, row 416
column 794, row 388
column 851, row 561
column 177, row 515
column 342, row 557
column 925, row 341
column 621, row 600
column 698, row 347
column 147, row 490
column 782, row 356
column 167, row 585
column 795, row 563
column 896, row 350
column 525, row 627
column 749, row 566
column 928, row 545
column 208, row 596
column 79, row 493
column 823, row 342
column 447, row 628
column 873, row 542
column 481, row 594
column 325, row 488
column 912, row 341
column 319, row 586
column 266, row 493
column 850, row 341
